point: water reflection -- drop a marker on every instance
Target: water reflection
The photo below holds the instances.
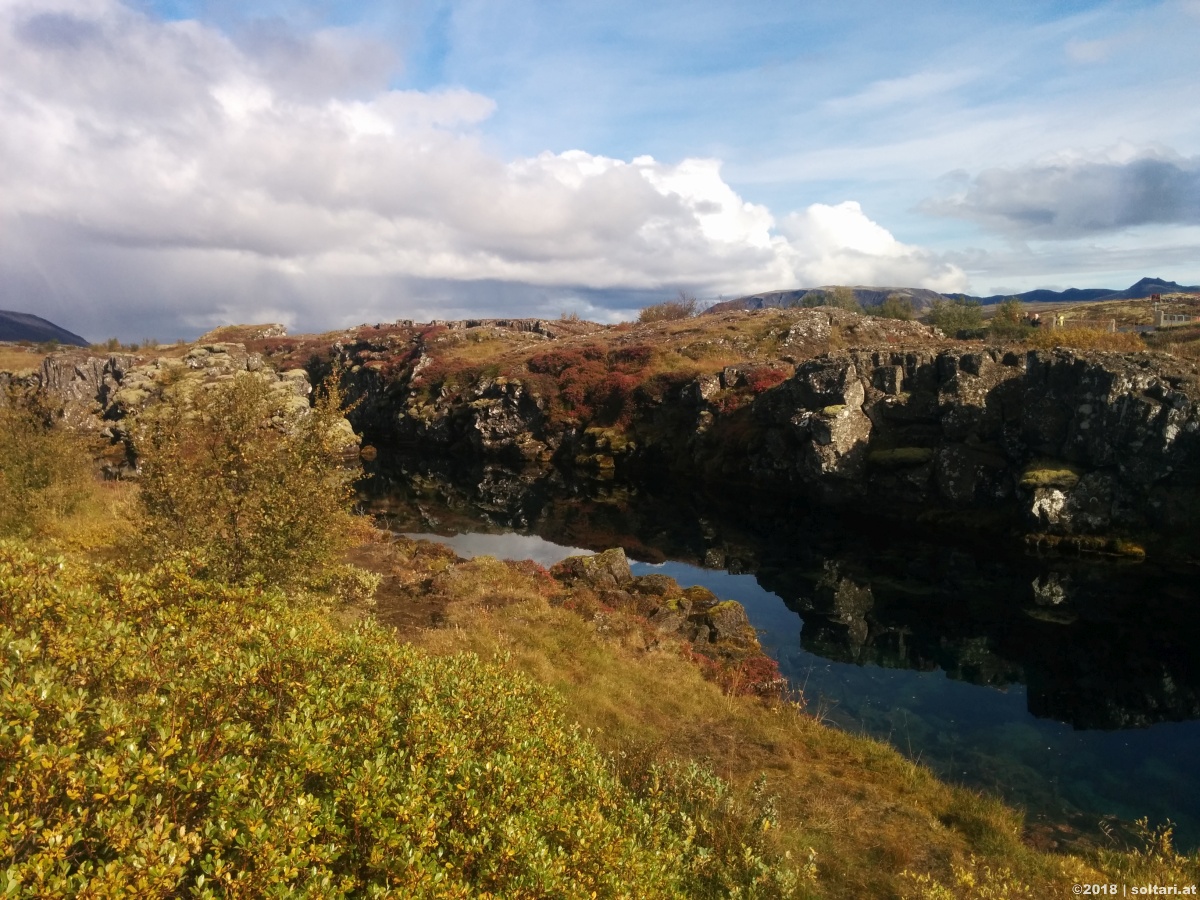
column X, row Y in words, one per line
column 1037, row 678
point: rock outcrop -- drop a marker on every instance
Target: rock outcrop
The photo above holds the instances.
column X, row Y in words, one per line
column 1073, row 443
column 1058, row 443
column 103, row 394
column 717, row 630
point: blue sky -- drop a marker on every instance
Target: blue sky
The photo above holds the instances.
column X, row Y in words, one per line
column 173, row 165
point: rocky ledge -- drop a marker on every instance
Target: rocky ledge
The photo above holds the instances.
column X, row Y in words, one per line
column 1094, row 451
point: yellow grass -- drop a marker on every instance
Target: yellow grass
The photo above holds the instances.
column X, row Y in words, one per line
column 19, row 359
column 1086, row 339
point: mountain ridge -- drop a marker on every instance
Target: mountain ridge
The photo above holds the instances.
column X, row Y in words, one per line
column 19, row 326
column 923, row 298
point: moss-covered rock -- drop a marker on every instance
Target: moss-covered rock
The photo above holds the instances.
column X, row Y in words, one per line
column 1050, row 473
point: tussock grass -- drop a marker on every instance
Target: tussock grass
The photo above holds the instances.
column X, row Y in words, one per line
column 45, row 471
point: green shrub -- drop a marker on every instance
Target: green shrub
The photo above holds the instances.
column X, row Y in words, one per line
column 1009, row 322
column 957, row 317
column 245, row 474
column 163, row 736
column 894, row 307
column 44, row 471
column 839, row 297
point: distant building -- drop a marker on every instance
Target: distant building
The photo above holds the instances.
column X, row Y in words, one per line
column 1164, row 319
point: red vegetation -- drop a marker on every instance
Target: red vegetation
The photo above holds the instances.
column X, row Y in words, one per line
column 764, row 378
column 757, row 675
column 595, row 385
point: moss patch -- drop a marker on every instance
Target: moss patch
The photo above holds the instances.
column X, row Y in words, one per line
column 1087, row 545
column 1050, row 473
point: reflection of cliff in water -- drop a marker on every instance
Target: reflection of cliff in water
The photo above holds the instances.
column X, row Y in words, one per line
column 1098, row 645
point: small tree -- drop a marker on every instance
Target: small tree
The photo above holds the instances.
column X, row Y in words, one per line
column 44, row 471
column 683, row 307
column 895, row 306
column 844, row 298
column 1009, row 320
column 838, row 297
column 248, row 478
column 958, row 317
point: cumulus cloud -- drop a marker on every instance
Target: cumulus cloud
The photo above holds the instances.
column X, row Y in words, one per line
column 163, row 171
column 839, row 244
column 1074, row 196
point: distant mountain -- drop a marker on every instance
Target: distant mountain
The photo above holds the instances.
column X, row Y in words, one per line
column 920, row 298
column 1070, row 295
column 1148, row 286
column 1145, row 288
column 17, row 326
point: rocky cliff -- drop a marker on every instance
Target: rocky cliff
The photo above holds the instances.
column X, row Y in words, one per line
column 1086, row 447
column 1072, row 443
column 1092, row 449
column 101, row 394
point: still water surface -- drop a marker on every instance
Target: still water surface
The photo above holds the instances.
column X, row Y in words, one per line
column 1068, row 687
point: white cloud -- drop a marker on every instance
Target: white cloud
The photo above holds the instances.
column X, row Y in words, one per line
column 907, row 89
column 1082, row 51
column 839, row 244
column 190, row 174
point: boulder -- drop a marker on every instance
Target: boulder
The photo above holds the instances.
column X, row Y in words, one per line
column 609, row 569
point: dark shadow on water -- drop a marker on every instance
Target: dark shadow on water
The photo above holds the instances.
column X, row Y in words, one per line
column 1071, row 687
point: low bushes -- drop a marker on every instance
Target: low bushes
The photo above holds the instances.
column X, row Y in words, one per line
column 1085, row 339
column 162, row 736
column 684, row 307
column 593, row 384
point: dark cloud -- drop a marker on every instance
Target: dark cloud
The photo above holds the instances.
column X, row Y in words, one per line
column 58, row 31
column 1077, row 198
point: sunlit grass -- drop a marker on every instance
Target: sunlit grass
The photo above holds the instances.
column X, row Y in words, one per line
column 874, row 819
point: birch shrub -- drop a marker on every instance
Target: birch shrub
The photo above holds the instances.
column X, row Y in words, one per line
column 164, row 736
column 244, row 474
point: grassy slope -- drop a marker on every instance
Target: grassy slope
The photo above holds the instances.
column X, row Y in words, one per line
column 865, row 812
column 861, row 810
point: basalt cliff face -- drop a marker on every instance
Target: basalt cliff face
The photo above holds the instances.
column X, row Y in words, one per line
column 1068, row 443
column 101, row 394
column 1087, row 447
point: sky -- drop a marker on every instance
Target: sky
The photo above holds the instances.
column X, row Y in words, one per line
column 167, row 166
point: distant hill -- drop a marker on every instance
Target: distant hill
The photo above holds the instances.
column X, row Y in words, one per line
column 1070, row 295
column 920, row 298
column 1146, row 287
column 18, row 326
